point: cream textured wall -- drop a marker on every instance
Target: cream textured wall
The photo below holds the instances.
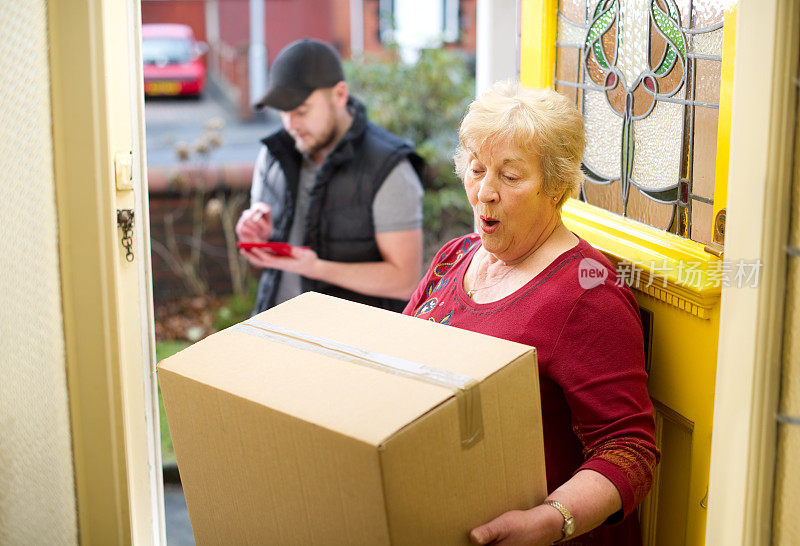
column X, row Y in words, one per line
column 786, row 524
column 37, row 499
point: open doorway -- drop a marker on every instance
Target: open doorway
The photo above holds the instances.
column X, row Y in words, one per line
column 203, row 137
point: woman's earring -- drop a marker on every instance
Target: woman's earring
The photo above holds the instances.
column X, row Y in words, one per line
column 555, row 198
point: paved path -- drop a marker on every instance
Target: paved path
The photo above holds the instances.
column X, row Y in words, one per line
column 179, row 530
column 171, row 120
column 167, row 122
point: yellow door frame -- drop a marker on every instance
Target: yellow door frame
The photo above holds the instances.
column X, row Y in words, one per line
column 97, row 122
column 748, row 368
column 761, row 99
column 685, row 307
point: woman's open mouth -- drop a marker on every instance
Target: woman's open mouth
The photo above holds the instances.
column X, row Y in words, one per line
column 489, row 224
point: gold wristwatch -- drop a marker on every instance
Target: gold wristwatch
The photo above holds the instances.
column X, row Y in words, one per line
column 569, row 522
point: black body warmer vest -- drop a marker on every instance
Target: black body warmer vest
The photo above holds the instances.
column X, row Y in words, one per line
column 339, row 224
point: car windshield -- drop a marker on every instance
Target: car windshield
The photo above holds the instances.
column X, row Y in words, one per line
column 166, row 50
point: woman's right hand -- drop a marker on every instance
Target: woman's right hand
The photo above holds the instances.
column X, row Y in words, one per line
column 255, row 224
column 590, row 496
column 538, row 526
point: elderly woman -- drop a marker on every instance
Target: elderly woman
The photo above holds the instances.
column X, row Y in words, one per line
column 519, row 278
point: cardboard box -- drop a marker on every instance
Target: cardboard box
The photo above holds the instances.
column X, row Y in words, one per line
column 323, row 421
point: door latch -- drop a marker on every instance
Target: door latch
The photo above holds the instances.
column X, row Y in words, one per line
column 123, row 170
column 125, row 223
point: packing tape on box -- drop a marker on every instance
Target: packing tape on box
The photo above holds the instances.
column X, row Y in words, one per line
column 466, row 389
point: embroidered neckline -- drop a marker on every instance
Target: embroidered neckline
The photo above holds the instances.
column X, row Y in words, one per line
column 459, row 296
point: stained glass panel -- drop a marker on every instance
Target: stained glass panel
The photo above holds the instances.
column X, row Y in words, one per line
column 574, row 10
column 646, row 75
column 708, row 13
column 568, row 62
column 707, row 43
column 570, row 33
column 650, row 211
column 707, row 78
column 658, row 140
column 702, row 220
column 705, row 152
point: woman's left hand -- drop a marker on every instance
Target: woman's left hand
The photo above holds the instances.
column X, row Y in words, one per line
column 302, row 261
column 538, row 526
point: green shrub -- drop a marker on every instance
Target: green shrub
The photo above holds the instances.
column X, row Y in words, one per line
column 165, row 349
column 423, row 103
column 237, row 308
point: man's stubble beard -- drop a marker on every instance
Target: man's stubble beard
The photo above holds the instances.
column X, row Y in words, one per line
column 328, row 137
column 312, row 149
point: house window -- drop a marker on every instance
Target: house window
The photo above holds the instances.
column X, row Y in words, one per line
column 418, row 24
column 386, row 20
column 646, row 76
column 451, row 27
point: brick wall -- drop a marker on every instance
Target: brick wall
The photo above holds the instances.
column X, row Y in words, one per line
column 467, row 37
column 214, row 262
column 290, row 20
column 285, row 22
column 372, row 36
column 186, row 12
column 340, row 26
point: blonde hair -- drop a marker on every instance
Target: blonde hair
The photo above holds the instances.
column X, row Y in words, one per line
column 540, row 122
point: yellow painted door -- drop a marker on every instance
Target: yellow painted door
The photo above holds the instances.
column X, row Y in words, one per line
column 653, row 81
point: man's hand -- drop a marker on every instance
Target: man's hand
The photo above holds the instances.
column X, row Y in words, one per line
column 255, row 224
column 538, row 526
column 396, row 276
column 303, row 260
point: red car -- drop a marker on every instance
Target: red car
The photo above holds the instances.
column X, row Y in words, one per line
column 172, row 61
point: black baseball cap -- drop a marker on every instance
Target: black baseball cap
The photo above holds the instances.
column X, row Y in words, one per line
column 299, row 69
